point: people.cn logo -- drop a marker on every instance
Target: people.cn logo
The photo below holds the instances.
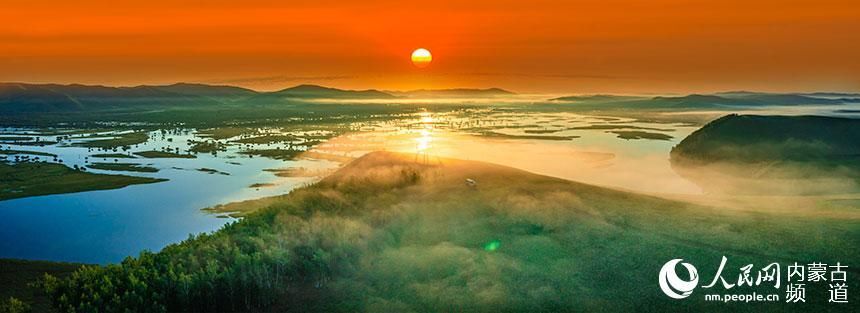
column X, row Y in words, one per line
column 672, row 285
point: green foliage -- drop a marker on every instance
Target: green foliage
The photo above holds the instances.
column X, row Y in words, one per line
column 388, row 234
column 636, row 134
column 13, row 305
column 153, row 154
column 112, row 156
column 754, row 138
column 751, row 154
column 129, row 167
column 10, row 152
column 33, row 178
column 267, row 139
column 278, row 154
column 17, row 276
column 124, row 140
column 537, row 137
column 207, row 146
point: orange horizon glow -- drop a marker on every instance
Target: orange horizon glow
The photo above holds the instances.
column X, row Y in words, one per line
column 579, row 46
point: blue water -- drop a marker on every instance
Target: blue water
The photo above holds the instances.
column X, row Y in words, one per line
column 106, row 226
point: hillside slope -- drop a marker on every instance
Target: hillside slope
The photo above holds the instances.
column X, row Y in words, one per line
column 21, row 98
column 756, row 138
column 389, row 234
column 320, row 92
column 818, row 152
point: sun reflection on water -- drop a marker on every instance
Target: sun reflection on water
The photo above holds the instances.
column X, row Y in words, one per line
column 424, row 140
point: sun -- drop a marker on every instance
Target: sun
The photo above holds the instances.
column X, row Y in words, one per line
column 421, row 57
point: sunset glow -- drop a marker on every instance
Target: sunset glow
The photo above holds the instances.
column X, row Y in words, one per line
column 545, row 46
column 432, row 156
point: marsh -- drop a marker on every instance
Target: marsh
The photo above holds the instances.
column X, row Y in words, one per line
column 107, row 225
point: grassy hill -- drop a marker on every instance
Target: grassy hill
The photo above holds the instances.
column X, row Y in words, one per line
column 315, row 91
column 214, row 91
column 26, row 179
column 389, row 234
column 818, row 149
column 756, row 138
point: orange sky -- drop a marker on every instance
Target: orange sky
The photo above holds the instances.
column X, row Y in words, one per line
column 657, row 46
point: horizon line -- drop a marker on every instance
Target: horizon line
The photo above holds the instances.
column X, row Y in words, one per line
column 572, row 93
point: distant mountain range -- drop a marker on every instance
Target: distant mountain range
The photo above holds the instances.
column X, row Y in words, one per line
column 454, row 93
column 713, row 101
column 36, row 98
column 23, row 98
column 598, row 98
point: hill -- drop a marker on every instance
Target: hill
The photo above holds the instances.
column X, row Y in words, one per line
column 231, row 92
column 20, row 98
column 757, row 138
column 190, row 104
column 699, row 101
column 42, row 98
column 736, row 100
column 455, row 93
column 754, row 147
column 315, row 91
column 389, row 234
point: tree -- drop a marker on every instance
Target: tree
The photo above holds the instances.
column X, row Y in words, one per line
column 13, row 305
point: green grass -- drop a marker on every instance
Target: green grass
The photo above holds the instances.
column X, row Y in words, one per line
column 16, row 275
column 210, row 146
column 753, row 154
column 616, row 126
column 300, row 171
column 50, row 131
column 211, row 171
column 16, row 138
column 153, row 154
column 762, row 138
column 129, row 167
column 40, row 143
column 386, row 233
column 636, row 134
column 34, row 179
column 224, row 132
column 10, row 152
column 278, row 154
column 266, row 139
column 124, row 140
column 242, row 208
column 542, row 131
column 112, row 156
column 493, row 134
